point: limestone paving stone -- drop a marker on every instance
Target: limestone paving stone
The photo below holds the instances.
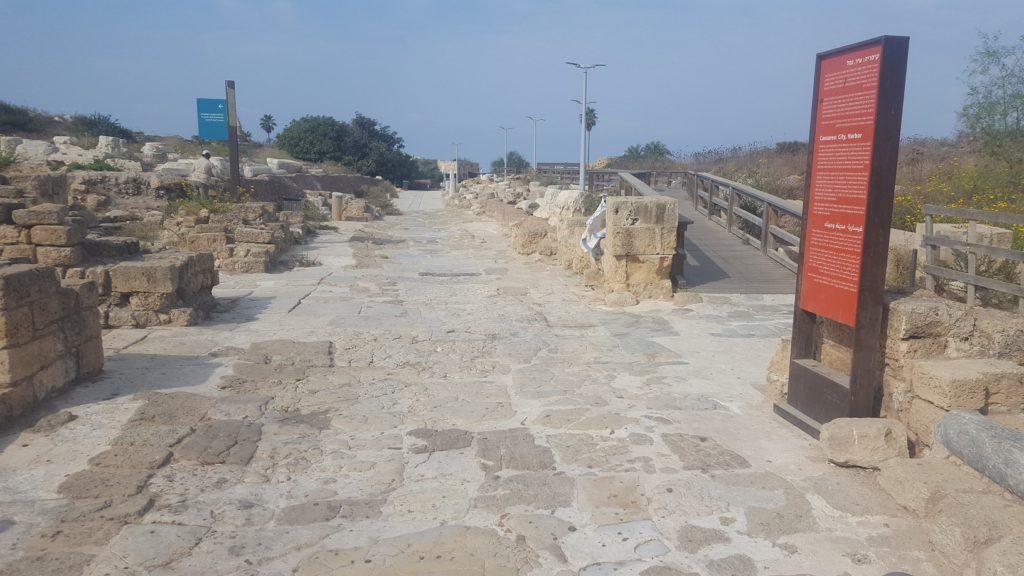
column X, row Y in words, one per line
column 863, row 442
column 703, row 453
column 439, row 440
column 513, row 449
column 131, row 458
column 221, row 442
column 123, row 510
column 93, row 483
column 62, row 562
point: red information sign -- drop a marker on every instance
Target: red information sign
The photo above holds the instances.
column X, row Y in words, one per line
column 838, row 192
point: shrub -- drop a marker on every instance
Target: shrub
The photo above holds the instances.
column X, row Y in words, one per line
column 312, row 212
column 97, row 165
column 7, row 159
column 14, row 118
column 97, row 124
column 305, row 261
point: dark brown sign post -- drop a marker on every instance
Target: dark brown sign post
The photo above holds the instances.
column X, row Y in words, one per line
column 851, row 176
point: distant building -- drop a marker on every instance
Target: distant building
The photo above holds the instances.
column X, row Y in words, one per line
column 467, row 169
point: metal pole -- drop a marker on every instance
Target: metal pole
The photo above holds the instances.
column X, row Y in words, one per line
column 234, row 174
column 583, row 135
column 456, row 144
column 535, row 121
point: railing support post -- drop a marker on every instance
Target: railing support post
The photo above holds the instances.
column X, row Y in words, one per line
column 765, row 226
column 972, row 261
column 929, row 251
column 694, row 193
column 731, row 215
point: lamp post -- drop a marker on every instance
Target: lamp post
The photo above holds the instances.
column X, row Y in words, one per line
column 583, row 119
column 583, row 123
column 456, row 186
column 535, row 121
column 506, row 149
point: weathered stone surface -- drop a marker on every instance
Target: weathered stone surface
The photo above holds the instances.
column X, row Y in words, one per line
column 537, row 490
column 27, row 359
column 14, row 234
column 777, row 383
column 439, row 440
column 693, row 539
column 111, row 247
column 131, row 458
column 288, row 166
column 206, row 242
column 921, row 419
column 41, row 214
column 86, row 290
column 153, row 301
column 176, row 409
column 863, row 442
column 150, row 546
column 157, row 435
column 613, row 499
column 57, row 235
column 531, row 236
column 52, row 422
column 313, row 512
column 969, row 523
column 1004, row 558
column 56, row 562
column 918, row 484
column 16, row 327
column 148, row 276
column 927, row 316
column 620, row 300
column 23, row 283
column 75, row 534
column 121, row 510
column 513, row 449
column 254, row 236
column 90, row 358
column 970, row 383
column 735, row 565
column 221, row 442
column 703, row 453
column 447, row 550
column 994, row 451
column 92, row 483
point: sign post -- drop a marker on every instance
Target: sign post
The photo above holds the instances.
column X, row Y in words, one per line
column 851, row 176
column 234, row 174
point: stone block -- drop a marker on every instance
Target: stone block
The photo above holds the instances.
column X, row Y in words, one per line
column 146, row 276
column 11, row 234
column 90, row 358
column 209, row 229
column 50, row 235
column 636, row 269
column 288, row 166
column 924, row 315
column 970, row 383
column 111, row 247
column 268, row 251
column 43, row 214
column 87, row 293
column 965, row 524
column 777, row 385
column 640, row 239
column 153, row 301
column 16, row 400
column 23, row 361
column 183, row 317
column 54, row 377
column 82, row 327
column 245, row 265
column 16, row 327
column 863, row 442
column 996, row 334
column 59, row 256
column 101, row 276
column 22, row 283
column 253, row 236
column 7, row 207
column 921, row 420
column 53, row 307
column 19, row 253
column 626, row 211
column 206, row 242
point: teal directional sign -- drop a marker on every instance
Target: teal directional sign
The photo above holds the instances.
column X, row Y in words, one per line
column 213, row 118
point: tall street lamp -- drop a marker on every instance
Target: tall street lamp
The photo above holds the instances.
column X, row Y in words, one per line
column 535, row 120
column 456, row 144
column 506, row 149
column 583, row 124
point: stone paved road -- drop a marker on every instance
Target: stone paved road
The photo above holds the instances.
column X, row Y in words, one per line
column 426, row 402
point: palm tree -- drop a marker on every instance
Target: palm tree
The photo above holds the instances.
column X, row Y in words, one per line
column 591, row 122
column 267, row 123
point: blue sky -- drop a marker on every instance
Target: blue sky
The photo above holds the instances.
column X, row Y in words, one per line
column 691, row 74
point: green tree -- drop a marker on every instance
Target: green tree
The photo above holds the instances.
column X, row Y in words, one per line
column 590, row 123
column 268, row 124
column 993, row 113
column 315, row 139
column 516, row 164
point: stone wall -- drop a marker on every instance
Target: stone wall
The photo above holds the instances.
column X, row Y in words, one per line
column 940, row 355
column 547, row 221
column 49, row 335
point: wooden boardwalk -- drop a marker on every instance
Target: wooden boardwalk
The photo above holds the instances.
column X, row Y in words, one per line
column 719, row 263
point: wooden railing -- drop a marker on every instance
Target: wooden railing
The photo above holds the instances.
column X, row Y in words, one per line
column 750, row 214
column 632, row 185
column 932, row 243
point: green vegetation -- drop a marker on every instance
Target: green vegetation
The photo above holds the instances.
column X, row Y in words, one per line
column 362, row 145
column 651, row 156
column 97, row 124
column 428, row 170
column 188, row 200
column 326, row 227
column 312, row 212
column 379, row 197
column 7, row 159
column 516, row 164
column 20, row 119
column 97, row 165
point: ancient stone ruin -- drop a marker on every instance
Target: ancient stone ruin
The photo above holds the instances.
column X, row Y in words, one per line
column 49, row 335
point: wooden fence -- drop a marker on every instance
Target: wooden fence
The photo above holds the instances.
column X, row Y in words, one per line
column 932, row 243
